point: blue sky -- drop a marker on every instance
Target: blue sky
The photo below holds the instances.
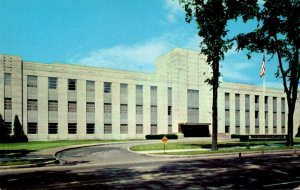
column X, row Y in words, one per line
column 121, row 34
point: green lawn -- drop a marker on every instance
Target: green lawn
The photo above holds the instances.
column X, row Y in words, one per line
column 39, row 145
column 234, row 145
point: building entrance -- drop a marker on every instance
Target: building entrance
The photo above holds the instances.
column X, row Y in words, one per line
column 194, row 129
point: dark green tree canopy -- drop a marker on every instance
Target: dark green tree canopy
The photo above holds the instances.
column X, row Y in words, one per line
column 278, row 33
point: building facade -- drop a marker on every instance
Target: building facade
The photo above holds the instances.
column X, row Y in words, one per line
column 62, row 101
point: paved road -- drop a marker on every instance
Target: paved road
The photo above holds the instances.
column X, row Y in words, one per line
column 91, row 168
column 104, row 154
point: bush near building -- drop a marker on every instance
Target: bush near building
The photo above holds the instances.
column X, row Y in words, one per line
column 19, row 135
column 4, row 132
column 160, row 136
column 298, row 133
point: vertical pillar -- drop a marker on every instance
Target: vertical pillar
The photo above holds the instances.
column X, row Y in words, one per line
column 232, row 112
column 146, row 109
column 131, row 111
column 62, row 88
column 261, row 114
column 162, row 108
column 42, row 108
column 242, row 114
column 252, row 113
column 116, row 110
column 99, row 110
column 81, row 108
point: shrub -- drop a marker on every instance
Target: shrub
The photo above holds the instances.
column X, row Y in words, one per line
column 160, row 136
column 19, row 135
column 298, row 133
column 4, row 131
column 244, row 138
column 235, row 136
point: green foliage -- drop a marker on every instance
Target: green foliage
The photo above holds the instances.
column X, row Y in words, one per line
column 278, row 33
column 160, row 136
column 211, row 17
column 18, row 135
column 4, row 131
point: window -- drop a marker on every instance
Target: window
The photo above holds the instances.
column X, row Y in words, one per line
column 52, row 128
column 72, row 106
column 123, row 109
column 107, row 129
column 107, row 108
column 227, row 129
column 32, row 81
column 274, row 104
column 7, row 79
column 139, row 128
column 7, row 103
column 90, row 107
column 32, row 128
column 90, row 128
column 247, row 102
column 237, row 102
column 169, row 110
column 71, row 84
column 123, row 93
column 72, row 128
column 52, row 105
column 107, row 87
column 139, row 95
column 283, row 105
column 124, row 129
column 169, row 129
column 247, row 129
column 139, row 109
column 153, row 129
column 90, row 85
column 256, row 115
column 153, row 95
column 52, row 82
column 227, row 105
column 256, row 99
column 32, row 105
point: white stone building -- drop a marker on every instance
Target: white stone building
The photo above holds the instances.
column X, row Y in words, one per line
column 63, row 101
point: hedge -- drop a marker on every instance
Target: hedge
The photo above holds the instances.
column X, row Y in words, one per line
column 160, row 136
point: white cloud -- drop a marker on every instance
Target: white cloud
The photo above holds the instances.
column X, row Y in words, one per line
column 173, row 10
column 137, row 57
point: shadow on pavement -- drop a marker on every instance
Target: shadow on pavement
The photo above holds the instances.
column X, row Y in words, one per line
column 249, row 173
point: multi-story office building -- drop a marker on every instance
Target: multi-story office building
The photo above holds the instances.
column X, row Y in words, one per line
column 63, row 101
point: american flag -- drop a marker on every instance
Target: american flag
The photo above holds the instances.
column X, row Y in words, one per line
column 263, row 67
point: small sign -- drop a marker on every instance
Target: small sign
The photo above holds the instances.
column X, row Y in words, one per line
column 164, row 139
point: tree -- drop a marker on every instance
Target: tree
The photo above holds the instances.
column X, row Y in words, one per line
column 4, row 131
column 18, row 135
column 278, row 33
column 211, row 17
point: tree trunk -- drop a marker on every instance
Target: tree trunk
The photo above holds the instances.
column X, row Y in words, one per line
column 216, row 73
column 215, row 119
column 290, row 136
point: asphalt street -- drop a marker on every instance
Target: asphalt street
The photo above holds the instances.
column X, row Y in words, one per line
column 113, row 167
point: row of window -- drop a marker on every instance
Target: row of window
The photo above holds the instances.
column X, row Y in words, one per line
column 32, row 128
column 247, row 102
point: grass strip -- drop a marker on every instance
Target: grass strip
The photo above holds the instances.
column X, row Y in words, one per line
column 39, row 145
column 236, row 150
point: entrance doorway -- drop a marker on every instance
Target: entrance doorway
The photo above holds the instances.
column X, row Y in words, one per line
column 194, row 129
